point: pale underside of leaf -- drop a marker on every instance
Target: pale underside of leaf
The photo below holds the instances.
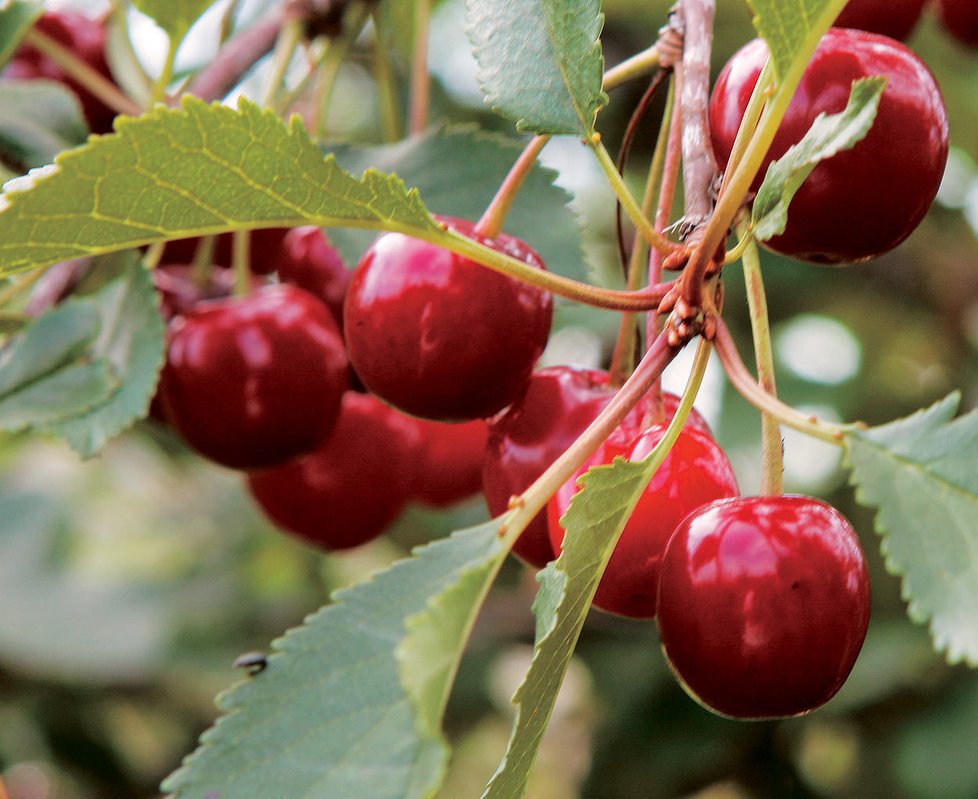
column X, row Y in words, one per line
column 921, row 473
column 346, row 705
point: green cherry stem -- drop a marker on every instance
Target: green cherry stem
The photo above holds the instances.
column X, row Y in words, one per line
column 772, row 457
column 90, row 78
column 241, row 262
column 387, row 100
column 162, row 82
column 751, row 390
column 637, row 66
column 531, row 501
column 492, row 220
column 420, row 92
column 202, row 265
column 288, row 40
column 329, row 70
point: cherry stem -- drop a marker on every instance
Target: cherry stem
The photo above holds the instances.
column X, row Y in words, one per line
column 637, row 66
column 492, row 220
column 241, row 262
column 612, row 299
column 19, row 285
column 628, row 203
column 162, row 82
column 531, row 501
column 420, row 91
column 754, row 393
column 203, row 262
column 390, row 112
column 286, row 43
column 693, row 73
column 237, row 55
column 87, row 76
column 772, row 455
column 353, row 22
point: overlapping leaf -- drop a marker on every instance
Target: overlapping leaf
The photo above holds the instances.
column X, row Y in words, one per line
column 38, row 120
column 922, row 474
column 174, row 16
column 828, row 135
column 16, row 18
column 792, row 28
column 540, row 61
column 349, row 705
column 197, row 170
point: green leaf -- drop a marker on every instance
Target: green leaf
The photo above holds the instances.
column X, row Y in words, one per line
column 131, row 334
column 16, row 18
column 922, row 474
column 792, row 28
column 349, row 703
column 38, row 119
column 177, row 173
column 540, row 61
column 458, row 171
column 174, row 16
column 593, row 523
column 828, row 135
column 46, row 372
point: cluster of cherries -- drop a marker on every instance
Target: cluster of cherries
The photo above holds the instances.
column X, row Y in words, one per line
column 344, row 395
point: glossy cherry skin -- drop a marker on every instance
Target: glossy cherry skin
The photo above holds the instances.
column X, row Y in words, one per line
column 560, row 402
column 960, row 19
column 253, row 381
column 439, row 336
column 695, row 472
column 763, row 605
column 449, row 461
column 85, row 37
column 893, row 18
column 861, row 202
column 307, row 260
column 353, row 486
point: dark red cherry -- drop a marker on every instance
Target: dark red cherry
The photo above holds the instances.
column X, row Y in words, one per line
column 763, row 605
column 960, row 19
column 560, row 402
column 893, row 18
column 253, row 381
column 83, row 36
column 861, row 202
column 307, row 260
column 264, row 250
column 449, row 461
column 439, row 336
column 180, row 293
column 694, row 473
column 353, row 486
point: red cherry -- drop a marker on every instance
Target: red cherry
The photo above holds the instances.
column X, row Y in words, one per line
column 351, row 488
column 85, row 37
column 264, row 250
column 449, row 461
column 763, row 605
column 439, row 336
column 309, row 261
column 253, row 381
column 560, row 402
column 861, row 202
column 893, row 18
column 960, row 19
column 694, row 473
column 180, row 293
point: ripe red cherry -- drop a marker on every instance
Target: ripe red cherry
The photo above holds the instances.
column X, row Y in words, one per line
column 307, row 260
column 449, row 461
column 960, row 19
column 694, row 473
column 85, row 37
column 439, row 336
column 861, row 202
column 180, row 293
column 560, row 402
column 763, row 605
column 893, row 18
column 253, row 381
column 353, row 486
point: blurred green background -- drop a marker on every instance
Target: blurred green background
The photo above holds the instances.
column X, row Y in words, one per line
column 128, row 584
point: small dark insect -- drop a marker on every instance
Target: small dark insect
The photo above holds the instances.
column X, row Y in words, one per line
column 252, row 662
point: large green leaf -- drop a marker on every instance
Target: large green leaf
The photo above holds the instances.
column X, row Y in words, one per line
column 922, row 474
column 176, row 173
column 793, row 27
column 130, row 338
column 540, row 61
column 47, row 373
column 349, row 704
column 458, row 171
column 174, row 16
column 828, row 135
column 593, row 523
column 38, row 119
column 16, row 18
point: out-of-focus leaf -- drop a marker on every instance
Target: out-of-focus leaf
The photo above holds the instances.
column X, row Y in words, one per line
column 16, row 18
column 174, row 16
column 38, row 119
